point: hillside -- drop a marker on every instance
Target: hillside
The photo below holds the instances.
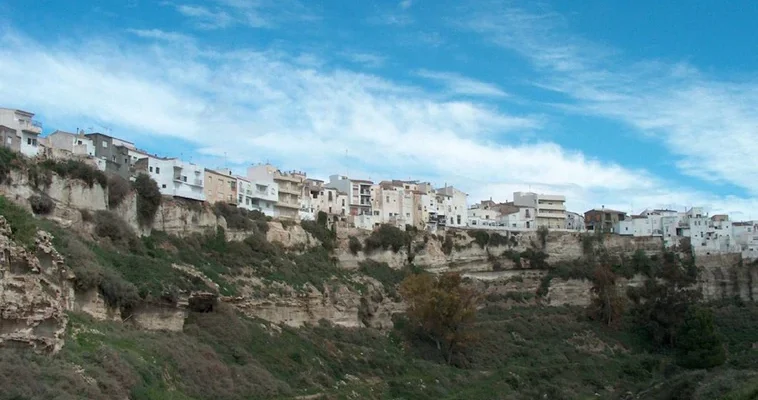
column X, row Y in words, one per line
column 218, row 303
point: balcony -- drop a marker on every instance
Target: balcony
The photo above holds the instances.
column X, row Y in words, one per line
column 554, row 206
column 288, row 204
column 30, row 127
column 291, row 189
column 191, row 182
column 556, row 215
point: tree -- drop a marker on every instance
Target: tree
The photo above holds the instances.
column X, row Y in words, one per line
column 607, row 304
column 148, row 199
column 661, row 304
column 699, row 344
column 441, row 309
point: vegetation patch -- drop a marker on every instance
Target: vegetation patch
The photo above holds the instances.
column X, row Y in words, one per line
column 148, row 199
column 387, row 237
column 118, row 189
column 41, row 204
column 320, row 231
column 240, row 218
column 74, row 169
column 354, row 245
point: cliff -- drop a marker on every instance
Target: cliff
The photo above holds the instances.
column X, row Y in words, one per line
column 36, row 290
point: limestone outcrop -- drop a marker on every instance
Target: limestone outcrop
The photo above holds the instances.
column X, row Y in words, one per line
column 36, row 290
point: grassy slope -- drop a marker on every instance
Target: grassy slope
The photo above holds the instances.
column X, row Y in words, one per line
column 522, row 353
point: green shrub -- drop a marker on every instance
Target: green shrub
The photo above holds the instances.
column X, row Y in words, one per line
column 118, row 189
column 74, row 169
column 386, row 237
column 111, row 226
column 320, row 232
column 41, row 204
column 39, row 177
column 482, row 238
column 354, row 244
column 23, row 225
column 698, row 343
column 382, row 272
column 9, row 161
column 148, row 199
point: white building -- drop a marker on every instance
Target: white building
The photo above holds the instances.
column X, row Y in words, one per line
column 74, row 143
column 637, row 225
column 27, row 131
column 551, row 209
column 452, row 207
column 522, row 218
column 265, row 191
column 174, row 177
column 481, row 216
column 358, row 193
column 394, row 202
column 574, row 221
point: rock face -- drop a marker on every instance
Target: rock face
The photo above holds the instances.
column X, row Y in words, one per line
column 36, row 290
column 292, row 236
column 337, row 303
column 179, row 218
column 92, row 303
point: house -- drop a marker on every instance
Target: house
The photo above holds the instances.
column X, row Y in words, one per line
column 636, row 225
column 265, row 191
column 425, row 214
column 551, row 209
column 574, row 221
column 603, row 220
column 74, row 143
column 358, row 193
column 452, row 206
column 174, row 177
column 484, row 215
column 117, row 154
column 394, row 202
column 20, row 132
column 220, row 186
column 289, row 186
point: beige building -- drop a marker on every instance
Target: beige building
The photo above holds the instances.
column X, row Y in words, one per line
column 550, row 208
column 20, row 132
column 290, row 188
column 317, row 198
column 220, row 186
column 394, row 202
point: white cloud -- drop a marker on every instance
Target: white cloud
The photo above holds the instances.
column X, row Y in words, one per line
column 256, row 106
column 205, row 18
column 708, row 123
column 158, row 34
column 462, row 85
column 370, row 60
column 406, row 4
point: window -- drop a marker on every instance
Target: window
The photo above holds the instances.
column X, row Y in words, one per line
column 79, row 142
column 126, row 160
column 157, row 170
column 376, row 212
column 407, row 214
column 330, row 198
column 343, row 202
column 459, row 220
column 163, row 186
column 151, row 169
column 184, row 178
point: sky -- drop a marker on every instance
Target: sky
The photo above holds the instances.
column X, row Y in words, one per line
column 627, row 105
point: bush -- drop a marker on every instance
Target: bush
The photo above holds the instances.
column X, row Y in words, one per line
column 148, row 199
column 9, row 161
column 355, row 245
column 111, row 226
column 74, row 169
column 320, row 232
column 118, row 189
column 22, row 223
column 41, row 204
column 447, row 245
column 698, row 343
column 387, row 237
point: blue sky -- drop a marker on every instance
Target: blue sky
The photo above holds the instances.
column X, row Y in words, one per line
column 623, row 104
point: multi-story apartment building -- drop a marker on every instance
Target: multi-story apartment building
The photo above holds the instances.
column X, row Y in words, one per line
column 358, row 193
column 174, row 177
column 20, row 132
column 265, row 193
column 551, row 209
column 394, row 203
column 452, row 208
column 289, row 188
column 220, row 186
column 118, row 154
column 316, row 197
column 425, row 200
column 603, row 220
column 75, row 143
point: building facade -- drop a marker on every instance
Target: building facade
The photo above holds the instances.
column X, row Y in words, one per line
column 358, row 192
column 603, row 220
column 551, row 209
column 452, row 207
column 220, row 186
column 75, row 143
column 574, row 221
column 265, row 193
column 174, row 177
column 24, row 127
column 289, row 188
column 116, row 153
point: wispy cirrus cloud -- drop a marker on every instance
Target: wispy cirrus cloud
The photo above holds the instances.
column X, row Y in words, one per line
column 367, row 59
column 460, row 85
column 220, row 14
column 157, row 34
column 709, row 123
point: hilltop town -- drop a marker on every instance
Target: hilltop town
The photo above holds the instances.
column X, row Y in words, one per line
column 365, row 204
